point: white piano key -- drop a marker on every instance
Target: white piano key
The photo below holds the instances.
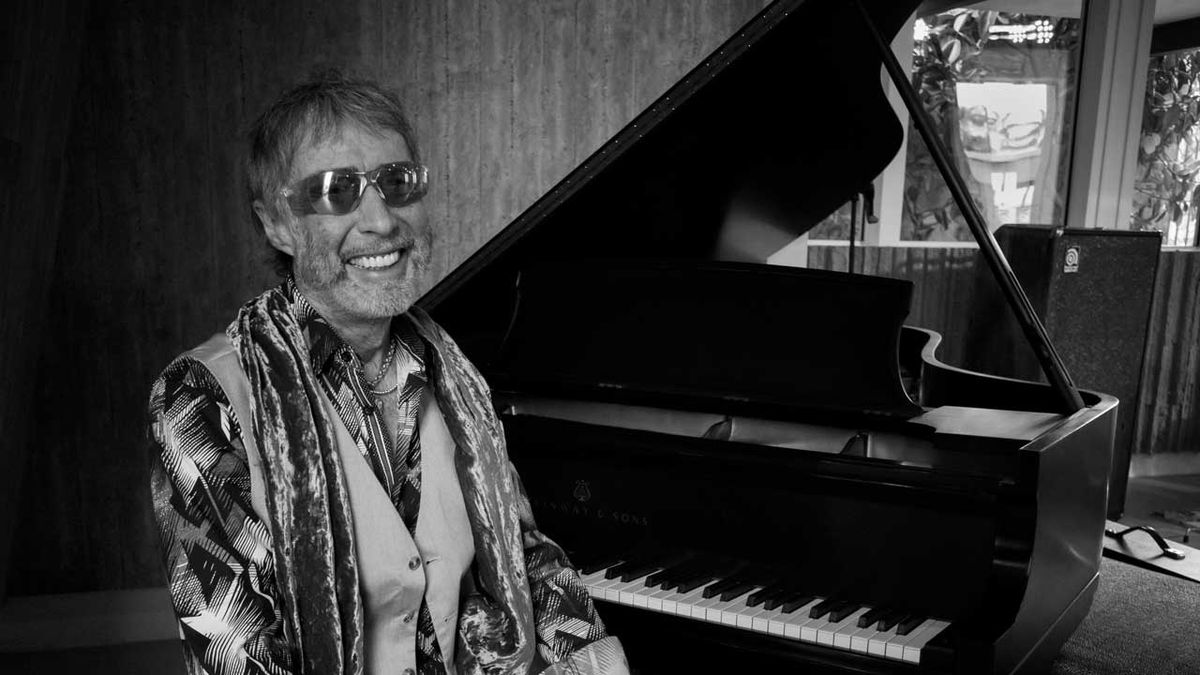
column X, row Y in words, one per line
column 625, row 591
column 758, row 622
column 599, row 587
column 590, row 579
column 777, row 622
column 877, row 643
column 642, row 595
column 608, row 589
column 702, row 607
column 796, row 621
column 596, row 582
column 684, row 604
column 656, row 601
column 895, row 646
column 849, row 625
column 743, row 616
column 669, row 599
column 912, row 650
column 796, row 625
column 808, row 630
column 859, row 639
column 731, row 610
column 721, row 611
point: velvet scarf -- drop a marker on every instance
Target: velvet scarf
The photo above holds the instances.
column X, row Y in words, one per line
column 309, row 506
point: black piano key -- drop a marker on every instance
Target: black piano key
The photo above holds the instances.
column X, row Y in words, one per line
column 738, row 591
column 639, row 571
column 694, row 582
column 780, row 596
column 656, row 565
column 661, row 576
column 669, row 577
column 657, row 579
column 602, row 562
column 795, row 602
column 823, row 607
column 723, row 585
column 889, row 619
column 703, row 575
column 871, row 616
column 839, row 613
column 617, row 570
column 908, row 623
column 776, row 593
column 757, row 597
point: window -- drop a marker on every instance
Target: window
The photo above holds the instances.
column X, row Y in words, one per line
column 1167, row 187
column 1000, row 88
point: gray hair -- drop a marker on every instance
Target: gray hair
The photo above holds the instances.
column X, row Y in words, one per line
column 310, row 113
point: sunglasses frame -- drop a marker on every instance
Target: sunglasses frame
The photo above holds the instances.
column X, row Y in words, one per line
column 302, row 204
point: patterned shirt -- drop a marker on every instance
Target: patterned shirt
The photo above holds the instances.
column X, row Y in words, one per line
column 218, row 552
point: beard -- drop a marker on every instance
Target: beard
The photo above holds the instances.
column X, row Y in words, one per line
column 334, row 289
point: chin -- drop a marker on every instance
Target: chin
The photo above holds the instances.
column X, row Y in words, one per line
column 382, row 303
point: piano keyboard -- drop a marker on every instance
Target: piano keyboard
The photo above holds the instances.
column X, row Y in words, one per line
column 772, row 610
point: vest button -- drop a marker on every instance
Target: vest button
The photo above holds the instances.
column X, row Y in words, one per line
column 409, row 671
column 409, row 617
column 414, row 562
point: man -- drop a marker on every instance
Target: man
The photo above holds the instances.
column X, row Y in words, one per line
column 331, row 484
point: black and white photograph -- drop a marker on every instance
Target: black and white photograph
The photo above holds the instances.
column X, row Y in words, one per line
column 600, row 337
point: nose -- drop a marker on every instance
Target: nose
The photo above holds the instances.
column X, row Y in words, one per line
column 373, row 214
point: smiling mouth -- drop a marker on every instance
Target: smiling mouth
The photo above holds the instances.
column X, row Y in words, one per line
column 376, row 262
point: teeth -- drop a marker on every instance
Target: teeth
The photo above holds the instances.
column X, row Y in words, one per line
column 376, row 261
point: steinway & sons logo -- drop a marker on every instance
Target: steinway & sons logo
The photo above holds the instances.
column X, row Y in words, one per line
column 578, row 506
column 582, row 493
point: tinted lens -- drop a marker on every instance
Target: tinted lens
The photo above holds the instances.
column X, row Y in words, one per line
column 344, row 190
column 332, row 192
column 401, row 183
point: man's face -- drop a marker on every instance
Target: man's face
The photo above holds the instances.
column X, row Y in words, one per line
column 366, row 264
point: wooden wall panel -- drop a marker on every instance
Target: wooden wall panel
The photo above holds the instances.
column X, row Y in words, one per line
column 157, row 251
column 1169, row 405
column 39, row 68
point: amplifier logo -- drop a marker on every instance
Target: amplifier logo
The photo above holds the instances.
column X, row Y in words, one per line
column 1071, row 260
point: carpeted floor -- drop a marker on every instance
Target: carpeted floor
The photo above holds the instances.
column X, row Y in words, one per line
column 1141, row 623
column 1165, row 503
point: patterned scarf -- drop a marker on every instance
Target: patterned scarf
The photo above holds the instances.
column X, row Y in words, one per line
column 309, row 507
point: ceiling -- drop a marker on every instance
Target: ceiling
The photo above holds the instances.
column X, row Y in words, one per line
column 1168, row 11
column 1165, row 11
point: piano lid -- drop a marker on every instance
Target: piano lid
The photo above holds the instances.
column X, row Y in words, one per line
column 737, row 152
column 732, row 163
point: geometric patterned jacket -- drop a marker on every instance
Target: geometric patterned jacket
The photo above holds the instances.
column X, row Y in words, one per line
column 218, row 553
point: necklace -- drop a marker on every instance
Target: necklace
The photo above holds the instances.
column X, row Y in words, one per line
column 383, row 370
column 385, row 392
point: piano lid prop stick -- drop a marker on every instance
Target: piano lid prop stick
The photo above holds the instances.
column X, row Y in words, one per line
column 853, row 231
column 1035, row 332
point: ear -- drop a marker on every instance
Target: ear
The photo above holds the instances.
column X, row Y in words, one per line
column 276, row 229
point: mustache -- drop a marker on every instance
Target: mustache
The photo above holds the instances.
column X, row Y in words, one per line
column 404, row 244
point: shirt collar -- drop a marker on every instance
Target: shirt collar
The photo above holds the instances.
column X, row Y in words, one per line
column 324, row 344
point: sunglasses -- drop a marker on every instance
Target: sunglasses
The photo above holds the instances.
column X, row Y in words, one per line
column 339, row 191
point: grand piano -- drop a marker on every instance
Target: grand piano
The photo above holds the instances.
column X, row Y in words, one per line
column 759, row 467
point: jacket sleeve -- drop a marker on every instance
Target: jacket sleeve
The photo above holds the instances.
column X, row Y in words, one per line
column 571, row 638
column 216, row 551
